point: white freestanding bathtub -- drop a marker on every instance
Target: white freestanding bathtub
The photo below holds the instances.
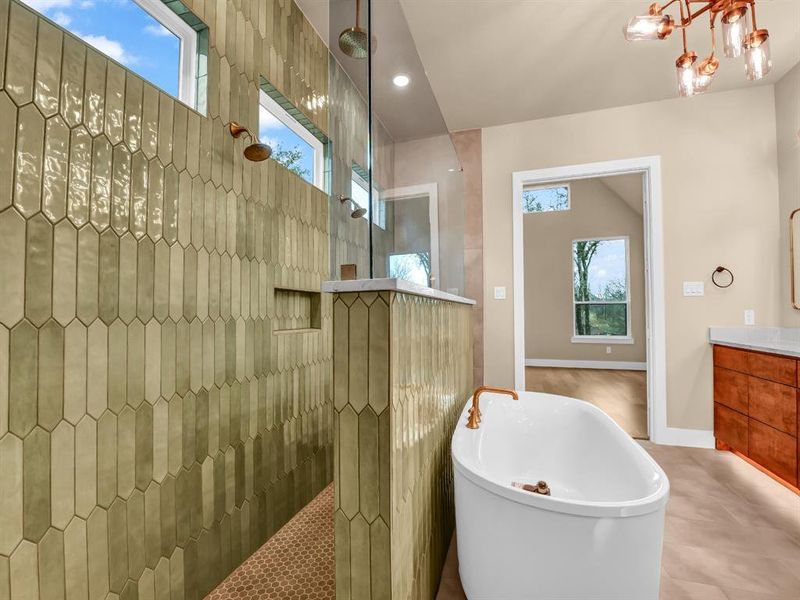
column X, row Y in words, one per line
column 598, row 536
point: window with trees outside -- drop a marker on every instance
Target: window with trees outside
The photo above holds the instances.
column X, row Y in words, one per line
column 145, row 36
column 536, row 199
column 414, row 267
column 360, row 195
column 601, row 294
column 293, row 145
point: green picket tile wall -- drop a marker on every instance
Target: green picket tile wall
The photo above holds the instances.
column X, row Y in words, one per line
column 402, row 369
column 153, row 429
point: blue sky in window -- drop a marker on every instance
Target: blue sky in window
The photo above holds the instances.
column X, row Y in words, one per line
column 545, row 199
column 122, row 30
column 608, row 264
column 273, row 132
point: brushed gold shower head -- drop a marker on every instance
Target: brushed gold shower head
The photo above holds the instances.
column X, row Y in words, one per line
column 255, row 152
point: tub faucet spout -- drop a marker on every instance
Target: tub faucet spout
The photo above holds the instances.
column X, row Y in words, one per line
column 475, row 412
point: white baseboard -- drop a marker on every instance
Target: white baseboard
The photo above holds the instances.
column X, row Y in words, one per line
column 586, row 364
column 691, row 438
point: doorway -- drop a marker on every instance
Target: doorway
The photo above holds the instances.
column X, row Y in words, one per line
column 603, row 306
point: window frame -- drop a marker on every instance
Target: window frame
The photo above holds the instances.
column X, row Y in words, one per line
column 280, row 113
column 187, row 60
column 546, row 186
column 380, row 204
column 603, row 339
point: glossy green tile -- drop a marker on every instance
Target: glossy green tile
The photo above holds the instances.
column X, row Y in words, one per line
column 12, row 266
column 36, row 484
column 75, row 357
column 360, row 571
column 115, row 102
column 97, row 543
column 8, row 129
column 94, row 91
column 161, row 281
column 121, row 189
column 76, row 561
column 126, row 452
column 150, row 98
column 182, row 356
column 51, row 565
column 23, row 383
column 55, row 169
column 23, row 571
column 145, row 282
column 136, row 363
column 165, row 131
column 39, row 270
column 28, row 169
column 80, row 161
column 88, row 265
column 11, row 506
column 348, row 460
column 175, row 435
column 62, row 475
column 117, row 366
column 135, row 534
column 21, row 54
column 179, row 139
column 170, row 213
column 48, row 68
column 176, row 282
column 152, row 353
column 160, row 439
column 106, row 459
column 108, row 272
column 85, row 466
column 51, row 375
column 168, row 351
column 152, row 525
column 97, row 369
column 144, row 446
column 4, row 375
column 100, row 200
column 133, row 111
column 139, row 180
column 155, row 199
column 368, row 457
column 127, row 277
column 117, row 545
column 162, row 582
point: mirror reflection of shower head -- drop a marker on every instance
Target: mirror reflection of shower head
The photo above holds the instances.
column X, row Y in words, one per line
column 256, row 151
column 358, row 211
column 354, row 41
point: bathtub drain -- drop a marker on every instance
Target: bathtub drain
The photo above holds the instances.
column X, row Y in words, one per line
column 540, row 488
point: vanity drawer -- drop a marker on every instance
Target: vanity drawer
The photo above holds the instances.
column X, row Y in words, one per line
column 774, row 368
column 730, row 389
column 730, row 427
column 730, row 358
column 774, row 404
column 773, row 449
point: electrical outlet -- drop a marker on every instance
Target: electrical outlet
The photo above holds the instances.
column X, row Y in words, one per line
column 693, row 288
column 608, row 349
column 500, row 292
column 749, row 317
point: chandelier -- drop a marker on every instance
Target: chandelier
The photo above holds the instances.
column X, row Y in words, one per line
column 740, row 37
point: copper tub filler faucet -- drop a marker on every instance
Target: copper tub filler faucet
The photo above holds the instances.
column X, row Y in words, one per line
column 475, row 412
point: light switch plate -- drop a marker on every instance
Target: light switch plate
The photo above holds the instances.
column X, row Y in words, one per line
column 500, row 292
column 749, row 317
column 693, row 288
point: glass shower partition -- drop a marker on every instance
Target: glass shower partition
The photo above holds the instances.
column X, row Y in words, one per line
column 396, row 161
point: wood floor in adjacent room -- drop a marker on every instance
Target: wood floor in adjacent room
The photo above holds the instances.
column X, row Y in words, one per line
column 731, row 532
column 622, row 395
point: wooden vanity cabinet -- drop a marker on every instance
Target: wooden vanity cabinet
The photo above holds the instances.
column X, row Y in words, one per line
column 757, row 408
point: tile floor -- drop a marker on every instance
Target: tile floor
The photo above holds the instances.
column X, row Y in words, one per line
column 732, row 533
column 295, row 564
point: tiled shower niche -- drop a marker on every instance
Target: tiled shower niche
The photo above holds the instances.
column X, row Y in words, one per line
column 154, row 430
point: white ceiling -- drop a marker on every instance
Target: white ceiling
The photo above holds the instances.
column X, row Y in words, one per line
column 502, row 61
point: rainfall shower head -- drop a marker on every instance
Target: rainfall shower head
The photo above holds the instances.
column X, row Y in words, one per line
column 354, row 41
column 358, row 211
column 256, row 151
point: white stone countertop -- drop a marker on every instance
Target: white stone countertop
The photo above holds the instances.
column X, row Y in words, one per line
column 390, row 285
column 777, row 340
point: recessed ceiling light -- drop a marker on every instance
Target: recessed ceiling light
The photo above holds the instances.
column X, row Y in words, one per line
column 401, row 80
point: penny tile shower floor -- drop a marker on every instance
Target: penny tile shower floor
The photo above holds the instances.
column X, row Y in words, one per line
column 295, row 563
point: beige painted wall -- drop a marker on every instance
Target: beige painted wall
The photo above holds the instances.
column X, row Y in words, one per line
column 595, row 211
column 720, row 198
column 787, row 117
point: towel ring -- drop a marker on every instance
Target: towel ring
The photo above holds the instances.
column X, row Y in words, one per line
column 716, row 272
